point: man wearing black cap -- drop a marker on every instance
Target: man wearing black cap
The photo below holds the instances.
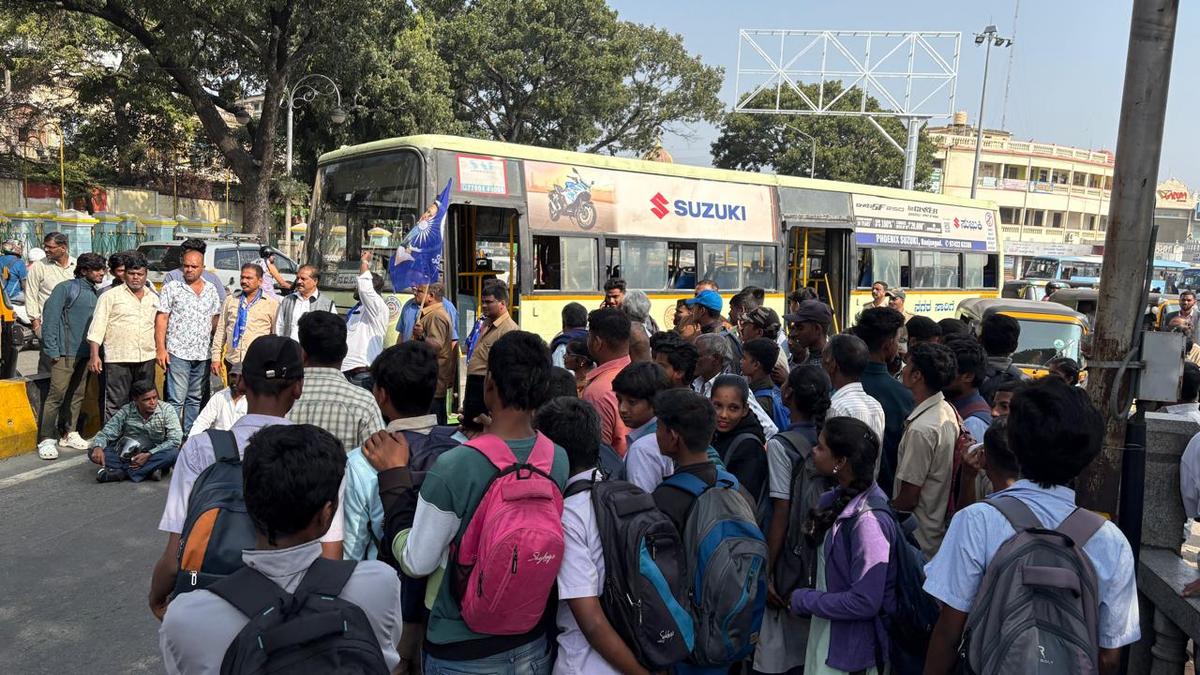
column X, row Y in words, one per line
column 808, row 328
column 273, row 374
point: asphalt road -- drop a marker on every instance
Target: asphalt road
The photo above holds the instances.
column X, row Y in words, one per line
column 75, row 562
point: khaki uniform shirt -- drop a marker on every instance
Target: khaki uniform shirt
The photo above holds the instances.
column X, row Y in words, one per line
column 44, row 275
column 479, row 358
column 925, row 458
column 435, row 320
column 124, row 325
column 260, row 321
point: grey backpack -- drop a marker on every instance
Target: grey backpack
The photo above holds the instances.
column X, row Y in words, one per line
column 1037, row 608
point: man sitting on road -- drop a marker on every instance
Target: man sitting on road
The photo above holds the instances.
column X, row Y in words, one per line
column 140, row 440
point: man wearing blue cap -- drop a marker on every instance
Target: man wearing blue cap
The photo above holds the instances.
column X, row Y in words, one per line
column 706, row 312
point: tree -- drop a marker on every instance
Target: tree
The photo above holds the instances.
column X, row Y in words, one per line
column 212, row 54
column 848, row 149
column 568, row 74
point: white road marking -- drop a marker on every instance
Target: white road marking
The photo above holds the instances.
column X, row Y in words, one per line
column 59, row 465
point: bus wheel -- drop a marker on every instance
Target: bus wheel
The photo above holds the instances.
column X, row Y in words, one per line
column 586, row 215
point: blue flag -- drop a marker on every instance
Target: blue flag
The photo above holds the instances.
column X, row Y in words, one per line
column 418, row 259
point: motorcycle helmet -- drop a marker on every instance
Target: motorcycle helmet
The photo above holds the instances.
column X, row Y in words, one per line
column 128, row 447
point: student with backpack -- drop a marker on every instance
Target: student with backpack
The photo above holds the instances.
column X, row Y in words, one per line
column 739, row 439
column 758, row 361
column 725, row 551
column 291, row 475
column 999, row 335
column 856, row 578
column 461, row 515
column 206, row 481
column 405, row 380
column 963, row 390
column 989, row 467
column 601, row 524
column 636, row 386
column 1084, row 596
column 795, row 486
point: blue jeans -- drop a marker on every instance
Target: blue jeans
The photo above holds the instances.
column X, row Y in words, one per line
column 163, row 459
column 531, row 659
column 184, row 383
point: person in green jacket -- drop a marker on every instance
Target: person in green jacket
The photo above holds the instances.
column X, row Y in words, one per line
column 66, row 315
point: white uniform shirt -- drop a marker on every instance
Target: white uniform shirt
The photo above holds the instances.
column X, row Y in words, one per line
column 365, row 326
column 197, row 455
column 580, row 576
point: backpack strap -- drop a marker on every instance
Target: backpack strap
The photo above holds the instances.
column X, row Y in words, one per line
column 541, row 457
column 580, row 486
column 1081, row 525
column 249, row 591
column 224, row 445
column 326, row 577
column 1018, row 514
column 687, row 482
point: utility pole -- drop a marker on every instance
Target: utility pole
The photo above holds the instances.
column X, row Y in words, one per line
column 1128, row 240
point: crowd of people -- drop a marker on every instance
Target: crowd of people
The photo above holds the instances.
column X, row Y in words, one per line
column 741, row 492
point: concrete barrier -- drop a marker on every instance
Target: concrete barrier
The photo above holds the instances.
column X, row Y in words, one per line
column 18, row 426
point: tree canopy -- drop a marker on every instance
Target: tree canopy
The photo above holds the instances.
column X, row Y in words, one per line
column 847, row 148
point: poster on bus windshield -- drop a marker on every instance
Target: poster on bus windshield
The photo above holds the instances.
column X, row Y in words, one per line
column 882, row 221
column 563, row 197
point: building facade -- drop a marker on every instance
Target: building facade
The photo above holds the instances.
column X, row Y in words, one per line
column 1048, row 194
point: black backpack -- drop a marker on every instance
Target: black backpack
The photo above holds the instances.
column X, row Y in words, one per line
column 645, row 580
column 994, row 377
column 217, row 528
column 309, row 631
column 424, row 450
column 612, row 465
column 796, row 565
column 911, row 626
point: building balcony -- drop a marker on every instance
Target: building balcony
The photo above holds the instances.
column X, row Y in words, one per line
column 1030, row 148
column 1041, row 187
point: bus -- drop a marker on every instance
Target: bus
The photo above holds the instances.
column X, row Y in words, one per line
column 1080, row 270
column 557, row 224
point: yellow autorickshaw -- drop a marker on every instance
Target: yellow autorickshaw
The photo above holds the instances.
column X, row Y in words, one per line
column 1048, row 329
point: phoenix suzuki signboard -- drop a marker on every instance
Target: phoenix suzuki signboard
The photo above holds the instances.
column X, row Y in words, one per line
column 881, row 221
column 563, row 197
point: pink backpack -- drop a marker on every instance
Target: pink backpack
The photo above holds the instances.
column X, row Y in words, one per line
column 509, row 556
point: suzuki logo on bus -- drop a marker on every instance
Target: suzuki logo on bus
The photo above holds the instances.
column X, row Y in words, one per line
column 660, row 206
column 694, row 209
column 967, row 224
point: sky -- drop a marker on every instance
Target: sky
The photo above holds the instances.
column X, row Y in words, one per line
column 1067, row 74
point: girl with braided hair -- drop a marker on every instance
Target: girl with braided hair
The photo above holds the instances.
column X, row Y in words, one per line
column 856, row 578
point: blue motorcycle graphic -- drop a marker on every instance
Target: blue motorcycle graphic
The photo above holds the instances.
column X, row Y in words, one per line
column 574, row 200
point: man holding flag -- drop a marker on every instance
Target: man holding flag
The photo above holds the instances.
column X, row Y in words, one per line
column 366, row 325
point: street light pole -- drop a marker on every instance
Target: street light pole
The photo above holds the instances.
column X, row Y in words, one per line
column 988, row 37
column 306, row 89
column 812, row 158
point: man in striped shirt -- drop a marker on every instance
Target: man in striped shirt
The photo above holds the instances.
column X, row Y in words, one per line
column 845, row 359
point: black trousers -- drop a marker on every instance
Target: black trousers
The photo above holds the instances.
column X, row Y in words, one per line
column 119, row 377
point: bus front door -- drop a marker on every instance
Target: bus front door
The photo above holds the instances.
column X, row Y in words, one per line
column 819, row 258
column 483, row 244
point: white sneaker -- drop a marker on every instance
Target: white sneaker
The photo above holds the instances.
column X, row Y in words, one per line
column 74, row 440
column 48, row 449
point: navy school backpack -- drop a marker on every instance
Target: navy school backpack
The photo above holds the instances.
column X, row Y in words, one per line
column 779, row 412
column 645, row 587
column 424, row 450
column 796, row 565
column 612, row 465
column 309, row 631
column 727, row 569
column 217, row 528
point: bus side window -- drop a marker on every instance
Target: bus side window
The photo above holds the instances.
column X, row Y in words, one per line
column 564, row 263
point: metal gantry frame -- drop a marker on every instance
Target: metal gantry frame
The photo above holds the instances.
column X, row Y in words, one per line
column 865, row 75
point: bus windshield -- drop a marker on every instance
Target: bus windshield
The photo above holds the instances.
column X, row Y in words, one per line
column 354, row 196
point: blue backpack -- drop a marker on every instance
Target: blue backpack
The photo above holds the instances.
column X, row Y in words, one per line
column 779, row 412
column 727, row 569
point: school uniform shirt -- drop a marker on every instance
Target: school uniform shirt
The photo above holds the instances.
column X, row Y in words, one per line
column 925, row 458
column 124, row 325
column 197, row 455
column 580, row 576
column 645, row 465
column 978, row 531
column 599, row 394
column 897, row 402
column 199, row 626
column 779, row 460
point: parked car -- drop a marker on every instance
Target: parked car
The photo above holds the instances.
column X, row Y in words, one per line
column 223, row 257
